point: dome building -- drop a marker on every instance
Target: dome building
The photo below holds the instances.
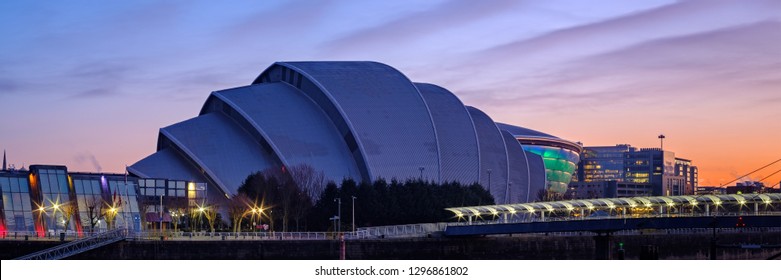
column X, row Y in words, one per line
column 360, row 120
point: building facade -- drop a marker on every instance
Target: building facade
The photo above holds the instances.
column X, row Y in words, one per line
column 359, row 120
column 661, row 170
column 47, row 200
column 559, row 156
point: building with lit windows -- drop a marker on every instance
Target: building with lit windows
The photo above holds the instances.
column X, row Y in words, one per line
column 359, row 120
column 638, row 170
column 47, row 200
column 559, row 156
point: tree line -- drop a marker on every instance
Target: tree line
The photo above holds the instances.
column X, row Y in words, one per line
column 300, row 199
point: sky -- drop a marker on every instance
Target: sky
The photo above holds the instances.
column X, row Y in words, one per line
column 88, row 84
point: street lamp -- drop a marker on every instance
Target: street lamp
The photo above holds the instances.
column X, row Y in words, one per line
column 56, row 207
column 661, row 139
column 339, row 214
column 354, row 214
column 200, row 212
column 489, row 178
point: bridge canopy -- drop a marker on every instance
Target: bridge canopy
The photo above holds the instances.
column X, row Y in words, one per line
column 695, row 201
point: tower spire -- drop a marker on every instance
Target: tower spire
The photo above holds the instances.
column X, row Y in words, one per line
column 4, row 160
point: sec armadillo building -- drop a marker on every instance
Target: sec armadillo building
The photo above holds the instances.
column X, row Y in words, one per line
column 360, row 120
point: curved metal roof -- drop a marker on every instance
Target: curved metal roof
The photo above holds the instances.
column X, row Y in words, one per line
column 609, row 203
column 165, row 164
column 532, row 137
column 377, row 102
column 297, row 128
column 459, row 160
column 493, row 154
column 522, row 131
column 364, row 120
column 519, row 181
column 225, row 152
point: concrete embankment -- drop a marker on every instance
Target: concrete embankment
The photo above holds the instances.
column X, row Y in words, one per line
column 540, row 247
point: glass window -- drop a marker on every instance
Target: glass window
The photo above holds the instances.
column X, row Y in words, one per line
column 160, row 183
column 171, row 192
column 17, row 202
column 14, row 185
column 180, row 193
column 77, row 185
column 44, row 183
column 28, row 219
column 133, row 205
column 82, row 204
column 7, row 203
column 53, row 183
column 5, row 184
column 180, row 185
column 23, row 187
column 26, row 205
column 96, row 187
column 159, row 191
column 141, row 183
column 63, row 184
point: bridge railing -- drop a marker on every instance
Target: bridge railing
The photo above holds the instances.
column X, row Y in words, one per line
column 411, row 230
column 525, row 218
column 245, row 236
column 47, row 236
column 77, row 246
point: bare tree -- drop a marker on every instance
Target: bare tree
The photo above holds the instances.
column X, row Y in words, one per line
column 178, row 208
column 309, row 181
column 94, row 211
column 210, row 211
column 238, row 208
column 68, row 209
column 110, row 212
column 311, row 184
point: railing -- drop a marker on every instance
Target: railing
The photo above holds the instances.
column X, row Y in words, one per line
column 533, row 219
column 78, row 246
column 34, row 236
column 245, row 236
column 404, row 231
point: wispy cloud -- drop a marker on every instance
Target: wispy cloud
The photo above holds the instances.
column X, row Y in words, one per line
column 409, row 27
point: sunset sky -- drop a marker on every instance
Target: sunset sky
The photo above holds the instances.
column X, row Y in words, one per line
column 88, row 84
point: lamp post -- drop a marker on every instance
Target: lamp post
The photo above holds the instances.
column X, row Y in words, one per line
column 661, row 139
column 161, row 214
column 339, row 214
column 92, row 217
column 200, row 213
column 354, row 214
column 489, row 178
column 56, row 207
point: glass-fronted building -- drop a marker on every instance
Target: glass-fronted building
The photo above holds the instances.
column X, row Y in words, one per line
column 560, row 156
column 47, row 200
column 659, row 169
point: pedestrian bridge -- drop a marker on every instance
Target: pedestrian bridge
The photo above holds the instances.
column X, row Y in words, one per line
column 616, row 214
